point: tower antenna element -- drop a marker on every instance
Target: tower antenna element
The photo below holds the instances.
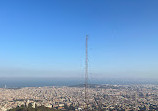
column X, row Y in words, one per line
column 86, row 75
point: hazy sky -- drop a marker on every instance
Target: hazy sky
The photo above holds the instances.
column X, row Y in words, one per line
column 46, row 38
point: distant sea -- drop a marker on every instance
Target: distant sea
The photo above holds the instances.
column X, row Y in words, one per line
column 41, row 82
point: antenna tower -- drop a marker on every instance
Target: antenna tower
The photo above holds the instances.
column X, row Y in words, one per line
column 86, row 75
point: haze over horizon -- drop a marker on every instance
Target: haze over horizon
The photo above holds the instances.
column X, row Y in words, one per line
column 47, row 38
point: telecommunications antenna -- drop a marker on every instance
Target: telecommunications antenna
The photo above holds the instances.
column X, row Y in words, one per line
column 86, row 75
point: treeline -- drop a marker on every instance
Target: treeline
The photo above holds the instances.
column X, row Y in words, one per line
column 30, row 108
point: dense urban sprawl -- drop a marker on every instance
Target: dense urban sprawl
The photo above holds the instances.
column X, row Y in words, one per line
column 106, row 97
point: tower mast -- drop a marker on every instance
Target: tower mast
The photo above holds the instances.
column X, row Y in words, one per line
column 86, row 75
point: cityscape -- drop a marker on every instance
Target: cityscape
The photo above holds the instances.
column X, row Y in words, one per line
column 78, row 55
column 100, row 97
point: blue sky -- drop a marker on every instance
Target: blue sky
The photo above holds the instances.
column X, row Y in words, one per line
column 46, row 38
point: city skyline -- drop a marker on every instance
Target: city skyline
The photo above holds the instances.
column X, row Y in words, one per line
column 47, row 38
